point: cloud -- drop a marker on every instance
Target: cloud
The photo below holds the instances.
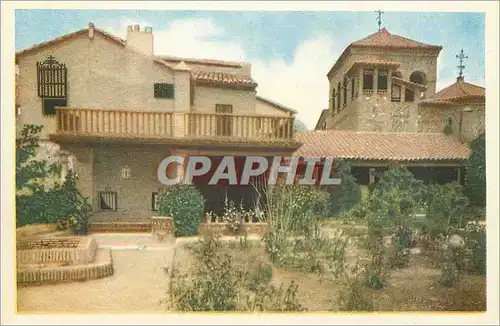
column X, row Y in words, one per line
column 300, row 84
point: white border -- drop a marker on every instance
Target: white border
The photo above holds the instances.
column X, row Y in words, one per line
column 492, row 113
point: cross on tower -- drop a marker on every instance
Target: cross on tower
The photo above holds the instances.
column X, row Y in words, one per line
column 379, row 18
column 461, row 56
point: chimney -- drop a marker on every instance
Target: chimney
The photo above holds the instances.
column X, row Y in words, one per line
column 91, row 30
column 138, row 40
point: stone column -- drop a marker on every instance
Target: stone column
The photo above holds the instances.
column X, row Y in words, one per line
column 403, row 90
column 375, row 80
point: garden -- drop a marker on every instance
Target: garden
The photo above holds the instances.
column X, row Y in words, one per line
column 399, row 246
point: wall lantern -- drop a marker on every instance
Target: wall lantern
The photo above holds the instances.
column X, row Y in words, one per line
column 126, row 173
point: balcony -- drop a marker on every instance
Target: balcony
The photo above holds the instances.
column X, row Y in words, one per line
column 169, row 127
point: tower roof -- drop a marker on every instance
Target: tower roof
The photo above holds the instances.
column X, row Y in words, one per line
column 458, row 92
column 384, row 39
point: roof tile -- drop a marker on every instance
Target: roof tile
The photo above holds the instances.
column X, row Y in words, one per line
column 223, row 78
column 380, row 146
column 383, row 38
column 460, row 91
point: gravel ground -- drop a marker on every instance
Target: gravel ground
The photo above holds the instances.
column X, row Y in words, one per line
column 137, row 285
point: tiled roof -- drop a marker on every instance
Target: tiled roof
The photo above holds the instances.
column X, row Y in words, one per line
column 69, row 36
column 209, row 62
column 223, row 78
column 385, row 39
column 460, row 91
column 277, row 105
column 380, row 146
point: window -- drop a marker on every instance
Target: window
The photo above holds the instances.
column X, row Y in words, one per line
column 338, row 97
column 334, row 97
column 49, row 105
column 396, row 93
column 345, row 91
column 224, row 108
column 155, row 202
column 417, row 77
column 224, row 123
column 409, row 95
column 382, row 79
column 52, row 78
column 108, row 200
column 163, row 90
column 368, row 79
column 353, row 88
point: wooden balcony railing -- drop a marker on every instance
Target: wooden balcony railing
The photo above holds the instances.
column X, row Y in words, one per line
column 241, row 127
column 104, row 123
column 119, row 123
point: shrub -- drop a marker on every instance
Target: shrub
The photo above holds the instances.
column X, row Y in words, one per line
column 185, row 204
column 475, row 177
column 446, row 207
column 215, row 283
column 346, row 195
column 476, row 243
column 36, row 201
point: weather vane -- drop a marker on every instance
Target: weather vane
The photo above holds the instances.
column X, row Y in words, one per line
column 461, row 56
column 379, row 18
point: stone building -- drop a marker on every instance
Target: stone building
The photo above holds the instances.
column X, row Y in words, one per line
column 384, row 109
column 387, row 83
column 112, row 110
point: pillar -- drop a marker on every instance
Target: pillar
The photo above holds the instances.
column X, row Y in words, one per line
column 375, row 80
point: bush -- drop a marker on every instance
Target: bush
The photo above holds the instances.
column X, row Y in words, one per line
column 186, row 205
column 475, row 177
column 215, row 283
column 36, row 202
column 446, row 207
column 346, row 195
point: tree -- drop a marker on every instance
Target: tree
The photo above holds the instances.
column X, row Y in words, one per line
column 299, row 126
column 475, row 179
column 346, row 195
column 40, row 201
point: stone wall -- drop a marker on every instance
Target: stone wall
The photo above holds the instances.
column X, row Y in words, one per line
column 71, row 251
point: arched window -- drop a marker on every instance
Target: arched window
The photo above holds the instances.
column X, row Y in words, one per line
column 418, row 77
column 334, row 97
column 338, row 96
column 345, row 91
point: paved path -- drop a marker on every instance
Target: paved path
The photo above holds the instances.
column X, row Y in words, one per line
column 138, row 283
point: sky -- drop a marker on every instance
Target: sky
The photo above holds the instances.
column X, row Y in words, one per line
column 290, row 52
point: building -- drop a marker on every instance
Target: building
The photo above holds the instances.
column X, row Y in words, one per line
column 458, row 109
column 384, row 108
column 387, row 83
column 112, row 110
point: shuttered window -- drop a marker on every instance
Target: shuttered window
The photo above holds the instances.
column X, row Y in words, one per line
column 162, row 90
